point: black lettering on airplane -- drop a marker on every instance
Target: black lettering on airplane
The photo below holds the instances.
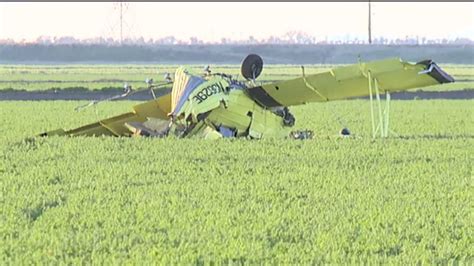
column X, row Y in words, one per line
column 208, row 91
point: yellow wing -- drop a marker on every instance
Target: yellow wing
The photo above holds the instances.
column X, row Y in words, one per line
column 117, row 126
column 350, row 81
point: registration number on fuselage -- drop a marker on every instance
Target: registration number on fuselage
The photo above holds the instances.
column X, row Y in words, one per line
column 208, row 91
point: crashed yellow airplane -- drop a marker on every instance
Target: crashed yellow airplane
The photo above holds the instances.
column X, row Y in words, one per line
column 216, row 105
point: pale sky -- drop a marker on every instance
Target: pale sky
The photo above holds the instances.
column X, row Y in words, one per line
column 213, row 21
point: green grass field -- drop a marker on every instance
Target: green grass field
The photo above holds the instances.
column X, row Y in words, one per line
column 403, row 200
column 97, row 77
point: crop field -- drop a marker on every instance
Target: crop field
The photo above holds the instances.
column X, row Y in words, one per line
column 405, row 200
column 98, row 77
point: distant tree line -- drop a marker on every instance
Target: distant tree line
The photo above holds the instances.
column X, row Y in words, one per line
column 288, row 38
column 231, row 54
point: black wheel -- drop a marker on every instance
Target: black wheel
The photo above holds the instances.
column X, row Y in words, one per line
column 252, row 66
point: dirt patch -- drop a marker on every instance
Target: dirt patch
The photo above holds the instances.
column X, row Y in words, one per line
column 73, row 95
column 76, row 95
column 431, row 95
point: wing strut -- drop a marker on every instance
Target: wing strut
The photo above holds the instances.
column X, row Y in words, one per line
column 309, row 86
column 383, row 113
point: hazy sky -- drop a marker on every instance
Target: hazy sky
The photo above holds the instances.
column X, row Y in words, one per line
column 212, row 21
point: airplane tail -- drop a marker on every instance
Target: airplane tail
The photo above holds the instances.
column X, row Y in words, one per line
column 124, row 124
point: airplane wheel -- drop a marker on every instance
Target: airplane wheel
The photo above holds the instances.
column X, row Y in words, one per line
column 252, row 66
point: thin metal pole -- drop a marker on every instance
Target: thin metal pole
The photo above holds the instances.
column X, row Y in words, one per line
column 377, row 94
column 370, row 23
column 121, row 23
column 371, row 104
column 387, row 112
